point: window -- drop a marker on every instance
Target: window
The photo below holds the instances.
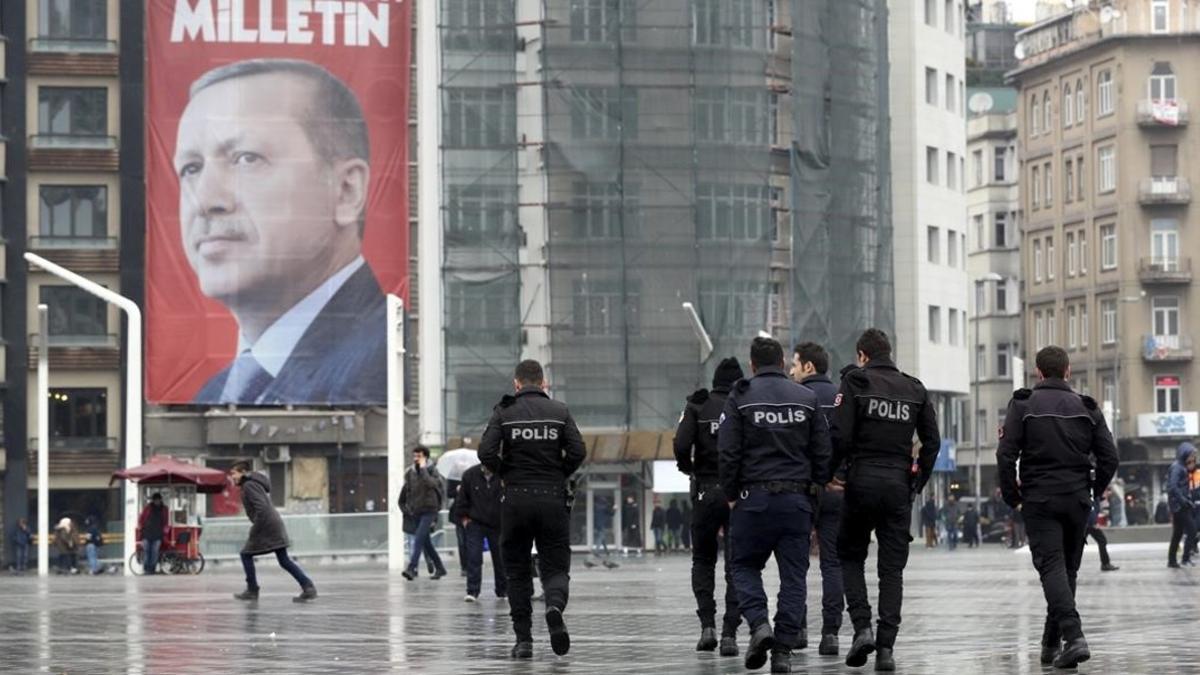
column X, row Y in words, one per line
column 953, row 321
column 1000, row 229
column 1072, row 254
column 76, row 316
column 1162, row 82
column 1164, row 244
column 1108, row 321
column 1035, row 114
column 1039, row 330
column 951, row 173
column 931, row 165
column 980, row 299
column 604, row 211
column 1068, row 107
column 1079, row 101
column 948, row 16
column 73, row 213
column 735, row 115
column 1167, row 394
column 1047, row 112
column 478, row 117
column 600, row 20
column 1051, row 327
column 1050, row 258
column 733, row 211
column 1165, row 311
column 950, row 105
column 1108, row 247
column 1106, row 179
column 998, row 164
column 1038, row 262
column 480, row 214
column 1035, row 179
column 1083, row 252
column 952, row 248
column 482, row 313
column 1069, row 181
column 935, row 324
column 931, row 12
column 734, row 307
column 1003, row 358
column 606, row 307
column 1002, row 296
column 473, row 25
column 73, row 111
column 742, row 26
column 1108, row 389
column 73, row 20
column 1164, row 163
column 933, row 252
column 706, row 24
column 604, row 113
column 980, row 234
column 977, row 166
column 1072, row 327
column 980, row 362
column 1079, row 193
column 1084, row 327
column 931, row 86
column 1048, row 170
column 1160, row 17
column 1104, row 93
column 79, row 416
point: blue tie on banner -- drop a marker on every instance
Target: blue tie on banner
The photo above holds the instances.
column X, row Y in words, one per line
column 945, row 460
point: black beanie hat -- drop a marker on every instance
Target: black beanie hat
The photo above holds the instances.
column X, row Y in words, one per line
column 728, row 372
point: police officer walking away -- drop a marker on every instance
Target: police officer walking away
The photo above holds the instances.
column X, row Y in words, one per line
column 810, row 367
column 878, row 409
column 696, row 456
column 1056, row 435
column 774, row 448
column 532, row 443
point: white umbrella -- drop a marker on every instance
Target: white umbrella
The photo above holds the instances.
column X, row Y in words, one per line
column 452, row 464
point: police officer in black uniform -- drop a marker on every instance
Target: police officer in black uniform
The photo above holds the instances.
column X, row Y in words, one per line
column 810, row 367
column 774, row 449
column 878, row 409
column 696, row 456
column 532, row 443
column 1057, row 435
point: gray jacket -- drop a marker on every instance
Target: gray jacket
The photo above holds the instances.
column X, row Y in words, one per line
column 267, row 532
column 423, row 491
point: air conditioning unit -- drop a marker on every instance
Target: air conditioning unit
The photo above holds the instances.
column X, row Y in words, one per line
column 277, row 454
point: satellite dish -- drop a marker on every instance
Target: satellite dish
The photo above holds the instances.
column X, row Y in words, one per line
column 980, row 103
column 1108, row 13
column 1019, row 51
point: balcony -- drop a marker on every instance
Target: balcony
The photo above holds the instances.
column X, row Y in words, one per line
column 71, row 455
column 1165, row 270
column 82, row 254
column 73, row 152
column 1164, row 191
column 1167, row 348
column 73, row 56
column 1162, row 113
column 79, row 352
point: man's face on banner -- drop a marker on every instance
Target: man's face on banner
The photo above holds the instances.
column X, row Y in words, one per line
column 258, row 208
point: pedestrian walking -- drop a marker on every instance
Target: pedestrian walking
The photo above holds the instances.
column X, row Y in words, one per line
column 66, row 541
column 878, row 410
column 1055, row 457
column 774, row 452
column 674, row 525
column 602, row 518
column 658, row 526
column 91, row 530
column 267, row 533
column 22, row 539
column 951, row 514
column 422, row 497
column 971, row 526
column 1097, row 535
column 477, row 507
column 532, row 443
column 929, row 514
column 1179, row 500
column 696, row 455
column 153, row 524
column 810, row 367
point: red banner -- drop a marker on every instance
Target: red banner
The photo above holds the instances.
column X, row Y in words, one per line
column 277, row 198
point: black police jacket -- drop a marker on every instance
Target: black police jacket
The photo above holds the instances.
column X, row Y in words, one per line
column 478, row 498
column 532, row 440
column 878, row 409
column 772, row 430
column 1057, row 435
column 696, row 436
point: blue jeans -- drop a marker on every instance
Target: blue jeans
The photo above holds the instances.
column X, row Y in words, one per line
column 284, row 561
column 150, row 548
column 92, row 558
column 424, row 543
column 476, row 533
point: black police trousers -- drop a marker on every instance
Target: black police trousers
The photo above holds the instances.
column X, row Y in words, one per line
column 1057, row 527
column 710, row 515
column 878, row 500
column 833, row 599
column 535, row 515
column 761, row 524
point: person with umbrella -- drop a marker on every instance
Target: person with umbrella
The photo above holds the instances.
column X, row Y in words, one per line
column 452, row 465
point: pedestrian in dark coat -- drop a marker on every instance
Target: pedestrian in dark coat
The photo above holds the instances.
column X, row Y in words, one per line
column 422, row 497
column 1180, row 502
column 267, row 533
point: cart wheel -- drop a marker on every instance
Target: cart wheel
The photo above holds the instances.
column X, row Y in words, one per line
column 196, row 565
column 135, row 563
column 173, row 564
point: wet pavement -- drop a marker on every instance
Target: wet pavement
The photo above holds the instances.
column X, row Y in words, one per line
column 971, row 611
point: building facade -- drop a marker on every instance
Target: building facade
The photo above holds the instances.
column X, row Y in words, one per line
column 928, row 150
column 991, row 43
column 1106, row 146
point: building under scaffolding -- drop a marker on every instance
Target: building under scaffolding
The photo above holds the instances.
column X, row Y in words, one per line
column 605, row 161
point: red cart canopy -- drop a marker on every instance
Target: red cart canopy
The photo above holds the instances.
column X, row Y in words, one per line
column 164, row 470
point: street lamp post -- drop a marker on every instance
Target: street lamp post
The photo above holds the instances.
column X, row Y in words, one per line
column 995, row 278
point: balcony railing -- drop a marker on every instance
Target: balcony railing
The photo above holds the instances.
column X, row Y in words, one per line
column 72, row 142
column 1167, row 348
column 77, row 443
column 1162, row 113
column 1158, row 270
column 73, row 45
column 1165, row 190
column 44, row 243
column 101, row 341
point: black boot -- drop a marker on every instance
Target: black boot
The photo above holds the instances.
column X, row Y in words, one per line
column 522, row 650
column 884, row 661
column 1050, row 651
column 781, row 660
column 729, row 645
column 708, row 639
column 248, row 594
column 829, row 645
column 802, row 639
column 1075, row 653
column 560, row 640
column 1109, row 567
column 762, row 639
column 861, row 648
column 306, row 594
